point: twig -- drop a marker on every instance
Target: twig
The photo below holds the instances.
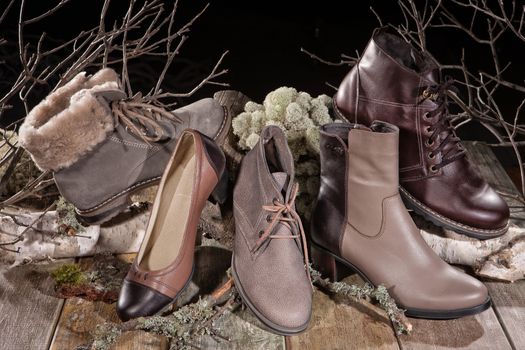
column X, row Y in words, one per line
column 21, row 235
column 380, row 294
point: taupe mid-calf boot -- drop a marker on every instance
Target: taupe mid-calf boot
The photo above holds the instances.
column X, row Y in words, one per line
column 269, row 254
column 102, row 146
column 394, row 82
column 360, row 222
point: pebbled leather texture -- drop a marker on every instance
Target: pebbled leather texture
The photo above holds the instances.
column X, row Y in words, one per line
column 171, row 279
column 387, row 84
column 273, row 277
column 378, row 235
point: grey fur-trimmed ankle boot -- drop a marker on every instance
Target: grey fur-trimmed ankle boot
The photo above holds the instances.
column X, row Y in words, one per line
column 102, row 146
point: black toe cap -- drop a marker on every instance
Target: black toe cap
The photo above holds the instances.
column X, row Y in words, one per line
column 136, row 300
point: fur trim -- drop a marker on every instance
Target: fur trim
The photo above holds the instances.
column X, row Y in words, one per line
column 70, row 121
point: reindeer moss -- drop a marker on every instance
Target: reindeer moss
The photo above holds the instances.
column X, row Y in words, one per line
column 299, row 115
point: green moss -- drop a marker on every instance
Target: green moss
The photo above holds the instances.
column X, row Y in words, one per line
column 69, row 273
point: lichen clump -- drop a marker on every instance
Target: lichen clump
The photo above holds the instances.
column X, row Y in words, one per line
column 67, row 219
column 25, row 170
column 299, row 115
column 69, row 274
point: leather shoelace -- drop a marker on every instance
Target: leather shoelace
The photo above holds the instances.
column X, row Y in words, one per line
column 141, row 118
column 439, row 93
column 285, row 214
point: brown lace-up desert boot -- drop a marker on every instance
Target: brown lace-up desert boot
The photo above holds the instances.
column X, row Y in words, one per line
column 394, row 82
column 360, row 222
column 102, row 147
column 269, row 254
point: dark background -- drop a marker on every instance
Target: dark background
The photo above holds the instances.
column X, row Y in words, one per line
column 264, row 39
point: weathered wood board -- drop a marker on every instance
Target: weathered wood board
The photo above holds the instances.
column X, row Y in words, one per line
column 508, row 299
column 479, row 332
column 509, row 304
column 335, row 325
column 80, row 317
column 28, row 309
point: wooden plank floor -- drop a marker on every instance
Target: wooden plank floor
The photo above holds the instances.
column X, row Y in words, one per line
column 30, row 318
column 28, row 310
column 80, row 317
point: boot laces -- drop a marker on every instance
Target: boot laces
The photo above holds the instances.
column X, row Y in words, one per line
column 285, row 214
column 441, row 125
column 141, row 118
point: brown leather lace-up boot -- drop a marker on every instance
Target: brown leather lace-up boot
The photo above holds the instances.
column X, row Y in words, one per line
column 102, row 146
column 394, row 82
column 360, row 222
column 269, row 254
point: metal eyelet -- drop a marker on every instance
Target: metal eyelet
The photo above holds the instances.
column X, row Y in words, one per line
column 274, row 200
column 427, row 130
column 433, row 169
column 426, row 116
column 268, row 218
column 429, row 144
column 431, row 155
column 261, row 232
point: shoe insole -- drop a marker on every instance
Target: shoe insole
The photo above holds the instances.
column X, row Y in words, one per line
column 167, row 234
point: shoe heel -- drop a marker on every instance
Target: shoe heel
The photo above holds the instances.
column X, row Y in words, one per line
column 220, row 193
column 328, row 266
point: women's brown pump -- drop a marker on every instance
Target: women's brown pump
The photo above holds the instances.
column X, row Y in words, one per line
column 164, row 264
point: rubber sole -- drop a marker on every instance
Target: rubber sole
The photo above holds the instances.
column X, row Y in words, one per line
column 271, row 325
column 413, row 312
column 441, row 221
column 113, row 206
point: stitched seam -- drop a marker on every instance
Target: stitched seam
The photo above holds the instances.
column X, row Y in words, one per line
column 223, row 123
column 337, row 111
column 263, row 192
column 452, row 222
column 130, row 143
column 246, row 221
column 164, row 284
column 119, row 194
column 390, row 103
column 383, row 220
column 152, row 277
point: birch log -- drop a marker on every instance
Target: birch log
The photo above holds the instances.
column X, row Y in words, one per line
column 43, row 242
column 501, row 258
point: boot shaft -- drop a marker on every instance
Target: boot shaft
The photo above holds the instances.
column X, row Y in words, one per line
column 389, row 83
column 256, row 182
column 389, row 71
column 359, row 168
